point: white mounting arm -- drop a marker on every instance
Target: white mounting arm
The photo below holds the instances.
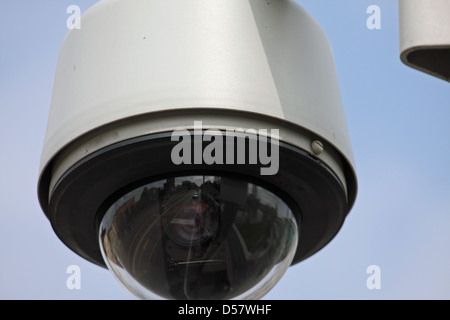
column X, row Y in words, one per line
column 425, row 36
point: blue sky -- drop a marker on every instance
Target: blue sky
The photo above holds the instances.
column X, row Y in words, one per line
column 399, row 125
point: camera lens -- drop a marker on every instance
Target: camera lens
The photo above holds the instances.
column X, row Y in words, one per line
column 198, row 237
column 189, row 218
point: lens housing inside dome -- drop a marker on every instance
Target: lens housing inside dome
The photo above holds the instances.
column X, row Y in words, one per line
column 199, row 237
column 190, row 217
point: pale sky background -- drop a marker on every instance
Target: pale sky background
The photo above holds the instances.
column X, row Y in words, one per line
column 399, row 122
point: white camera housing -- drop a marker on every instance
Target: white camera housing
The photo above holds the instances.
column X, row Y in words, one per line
column 425, row 36
column 138, row 70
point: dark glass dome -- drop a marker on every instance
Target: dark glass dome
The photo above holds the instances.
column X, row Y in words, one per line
column 199, row 237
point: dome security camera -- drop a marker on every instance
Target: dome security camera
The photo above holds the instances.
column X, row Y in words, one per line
column 197, row 148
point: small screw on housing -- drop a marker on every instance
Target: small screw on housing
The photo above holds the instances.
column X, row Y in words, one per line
column 317, row 147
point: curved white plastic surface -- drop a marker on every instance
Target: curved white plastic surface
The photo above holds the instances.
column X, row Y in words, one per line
column 138, row 57
column 425, row 36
